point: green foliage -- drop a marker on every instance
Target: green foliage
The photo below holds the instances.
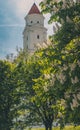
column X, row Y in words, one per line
column 60, row 9
column 7, row 95
column 44, row 87
column 66, row 54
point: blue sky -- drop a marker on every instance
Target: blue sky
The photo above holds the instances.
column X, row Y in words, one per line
column 12, row 13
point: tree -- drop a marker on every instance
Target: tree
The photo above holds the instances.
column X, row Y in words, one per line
column 47, row 84
column 8, row 95
column 66, row 52
column 40, row 106
column 48, row 78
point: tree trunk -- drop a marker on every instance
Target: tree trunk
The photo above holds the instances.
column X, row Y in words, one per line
column 46, row 128
column 48, row 124
column 50, row 127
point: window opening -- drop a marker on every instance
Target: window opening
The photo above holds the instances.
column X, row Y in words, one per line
column 37, row 21
column 38, row 37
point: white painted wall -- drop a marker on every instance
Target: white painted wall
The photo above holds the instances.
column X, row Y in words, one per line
column 34, row 31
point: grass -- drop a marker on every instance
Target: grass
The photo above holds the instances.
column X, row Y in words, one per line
column 57, row 128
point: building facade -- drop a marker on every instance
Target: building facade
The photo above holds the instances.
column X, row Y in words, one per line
column 34, row 32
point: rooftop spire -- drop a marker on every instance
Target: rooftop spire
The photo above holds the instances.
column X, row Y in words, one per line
column 34, row 10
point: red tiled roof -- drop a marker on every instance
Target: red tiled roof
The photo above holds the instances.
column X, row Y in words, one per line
column 34, row 10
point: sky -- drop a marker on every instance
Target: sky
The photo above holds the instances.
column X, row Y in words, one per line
column 12, row 23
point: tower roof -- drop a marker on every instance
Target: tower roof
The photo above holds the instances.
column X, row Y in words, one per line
column 34, row 10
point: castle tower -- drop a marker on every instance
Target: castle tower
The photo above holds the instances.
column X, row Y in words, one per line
column 34, row 32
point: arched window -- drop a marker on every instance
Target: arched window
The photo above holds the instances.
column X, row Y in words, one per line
column 31, row 21
column 37, row 21
column 38, row 37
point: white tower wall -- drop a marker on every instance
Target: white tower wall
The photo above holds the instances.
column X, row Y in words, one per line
column 34, row 31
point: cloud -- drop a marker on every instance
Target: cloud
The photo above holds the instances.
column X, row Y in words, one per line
column 21, row 7
column 14, row 11
column 18, row 6
column 10, row 38
column 11, row 25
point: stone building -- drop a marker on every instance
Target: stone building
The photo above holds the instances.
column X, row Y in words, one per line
column 34, row 32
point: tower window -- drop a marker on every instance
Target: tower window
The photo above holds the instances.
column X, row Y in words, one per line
column 27, row 37
column 37, row 21
column 31, row 21
column 38, row 37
